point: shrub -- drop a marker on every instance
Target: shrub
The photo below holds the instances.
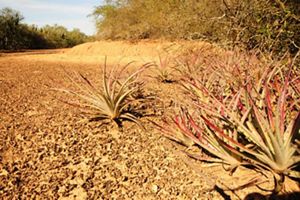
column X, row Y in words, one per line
column 271, row 25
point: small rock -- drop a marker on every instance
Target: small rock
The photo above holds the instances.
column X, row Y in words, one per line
column 155, row 188
column 32, row 113
column 4, row 173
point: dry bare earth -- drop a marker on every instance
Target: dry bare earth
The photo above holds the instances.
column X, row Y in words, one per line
column 49, row 150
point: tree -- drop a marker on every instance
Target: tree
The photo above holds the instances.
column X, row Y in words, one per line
column 15, row 35
column 9, row 28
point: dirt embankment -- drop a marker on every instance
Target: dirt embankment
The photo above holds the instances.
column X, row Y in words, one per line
column 116, row 52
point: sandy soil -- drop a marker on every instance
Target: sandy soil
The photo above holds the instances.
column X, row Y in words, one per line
column 50, row 151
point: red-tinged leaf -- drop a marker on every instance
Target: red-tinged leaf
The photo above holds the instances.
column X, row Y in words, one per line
column 199, row 86
column 296, row 85
column 269, row 109
column 190, row 134
column 281, row 106
column 182, row 126
column 263, row 124
column 233, row 102
column 208, row 108
column 222, row 112
column 182, row 119
column 211, row 125
column 218, row 130
column 158, row 125
column 169, row 135
column 245, row 115
column 277, row 84
column 198, row 130
column 230, row 148
column 240, row 105
column 249, row 88
column 222, row 134
column 193, row 123
column 176, row 119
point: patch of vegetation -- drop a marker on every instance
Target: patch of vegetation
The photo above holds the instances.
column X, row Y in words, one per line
column 243, row 113
column 16, row 35
column 271, row 25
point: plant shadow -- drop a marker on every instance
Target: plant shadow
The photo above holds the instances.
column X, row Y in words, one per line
column 288, row 196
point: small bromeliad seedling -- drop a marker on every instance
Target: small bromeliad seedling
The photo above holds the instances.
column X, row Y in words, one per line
column 113, row 101
column 163, row 72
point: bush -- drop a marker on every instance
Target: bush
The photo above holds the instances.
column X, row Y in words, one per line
column 271, row 25
column 60, row 37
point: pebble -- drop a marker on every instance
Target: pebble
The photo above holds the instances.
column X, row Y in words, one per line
column 155, row 188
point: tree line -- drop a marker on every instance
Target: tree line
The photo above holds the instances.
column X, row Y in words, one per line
column 272, row 25
column 15, row 35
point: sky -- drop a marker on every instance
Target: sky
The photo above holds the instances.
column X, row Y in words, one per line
column 68, row 13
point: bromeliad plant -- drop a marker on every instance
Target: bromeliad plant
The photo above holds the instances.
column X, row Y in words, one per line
column 257, row 125
column 162, row 71
column 113, row 101
column 185, row 130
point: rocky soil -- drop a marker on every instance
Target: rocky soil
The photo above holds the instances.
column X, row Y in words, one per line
column 49, row 150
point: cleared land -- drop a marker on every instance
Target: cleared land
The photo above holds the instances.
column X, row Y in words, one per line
column 50, row 151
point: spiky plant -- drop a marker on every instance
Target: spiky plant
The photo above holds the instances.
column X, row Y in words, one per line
column 191, row 61
column 113, row 101
column 162, row 71
column 257, row 124
column 185, row 130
